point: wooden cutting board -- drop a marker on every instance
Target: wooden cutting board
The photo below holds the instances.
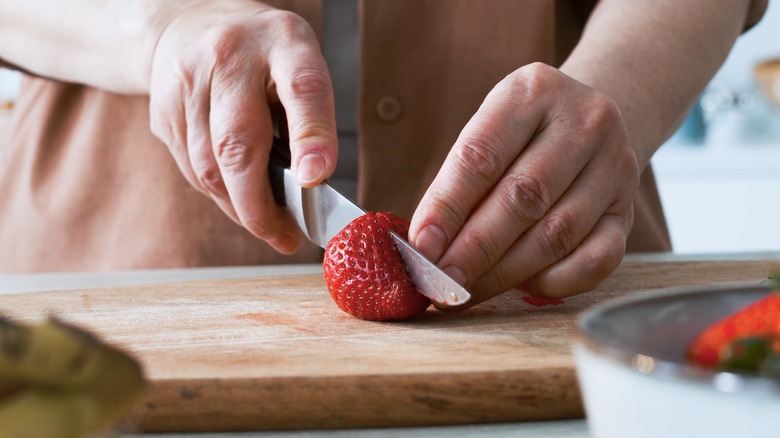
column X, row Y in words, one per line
column 276, row 353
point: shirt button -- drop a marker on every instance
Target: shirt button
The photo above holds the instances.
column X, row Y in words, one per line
column 388, row 108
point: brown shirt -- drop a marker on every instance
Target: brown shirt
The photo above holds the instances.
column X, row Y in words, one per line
column 84, row 185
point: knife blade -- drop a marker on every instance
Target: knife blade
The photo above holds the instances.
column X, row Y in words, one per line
column 322, row 212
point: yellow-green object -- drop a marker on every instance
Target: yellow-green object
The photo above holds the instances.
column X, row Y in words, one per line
column 57, row 381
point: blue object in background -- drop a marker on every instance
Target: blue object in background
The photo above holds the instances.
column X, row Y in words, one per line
column 693, row 131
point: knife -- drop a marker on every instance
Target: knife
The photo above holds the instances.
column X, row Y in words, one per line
column 322, row 212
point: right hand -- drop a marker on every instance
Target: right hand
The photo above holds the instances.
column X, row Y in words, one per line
column 219, row 73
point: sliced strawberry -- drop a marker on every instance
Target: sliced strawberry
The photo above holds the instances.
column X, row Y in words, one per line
column 737, row 340
column 542, row 301
column 364, row 272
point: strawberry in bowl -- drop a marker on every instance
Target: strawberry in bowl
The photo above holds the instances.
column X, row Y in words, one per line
column 745, row 341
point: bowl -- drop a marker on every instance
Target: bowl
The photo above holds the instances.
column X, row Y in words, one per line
column 635, row 382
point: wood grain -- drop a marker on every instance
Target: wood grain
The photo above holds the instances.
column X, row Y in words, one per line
column 276, row 353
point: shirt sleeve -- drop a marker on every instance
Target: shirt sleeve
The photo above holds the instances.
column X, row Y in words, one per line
column 755, row 13
column 7, row 65
column 4, row 64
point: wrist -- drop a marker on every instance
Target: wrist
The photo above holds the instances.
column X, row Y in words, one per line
column 145, row 29
column 164, row 24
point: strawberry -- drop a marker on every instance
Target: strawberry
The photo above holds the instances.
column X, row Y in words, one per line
column 535, row 298
column 364, row 272
column 542, row 301
column 747, row 340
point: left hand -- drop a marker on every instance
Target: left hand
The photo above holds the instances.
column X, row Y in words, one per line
column 536, row 193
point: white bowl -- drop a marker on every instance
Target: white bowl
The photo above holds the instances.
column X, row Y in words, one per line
column 630, row 358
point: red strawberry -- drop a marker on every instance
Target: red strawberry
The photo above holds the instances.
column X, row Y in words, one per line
column 365, row 274
column 535, row 298
column 737, row 339
column 542, row 301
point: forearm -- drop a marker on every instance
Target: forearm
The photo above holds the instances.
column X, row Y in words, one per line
column 654, row 59
column 103, row 43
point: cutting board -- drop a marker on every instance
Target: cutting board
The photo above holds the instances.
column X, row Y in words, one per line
column 276, row 353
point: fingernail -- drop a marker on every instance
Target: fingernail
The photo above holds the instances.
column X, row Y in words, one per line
column 310, row 168
column 431, row 242
column 456, row 274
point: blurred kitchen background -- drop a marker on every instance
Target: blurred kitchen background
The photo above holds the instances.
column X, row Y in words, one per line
column 719, row 175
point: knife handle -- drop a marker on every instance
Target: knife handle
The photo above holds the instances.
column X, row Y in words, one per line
column 278, row 161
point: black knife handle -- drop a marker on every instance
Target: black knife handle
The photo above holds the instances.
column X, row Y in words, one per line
column 278, row 160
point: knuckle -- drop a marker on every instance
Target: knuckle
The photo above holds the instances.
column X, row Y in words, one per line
column 600, row 114
column 605, row 106
column 224, row 39
column 302, row 128
column 557, row 236
column 499, row 279
column 440, row 202
column 209, row 177
column 287, row 26
column 534, row 80
column 482, row 156
column 527, row 196
column 483, row 251
column 627, row 160
column 289, row 32
column 309, row 83
column 233, row 153
column 538, row 69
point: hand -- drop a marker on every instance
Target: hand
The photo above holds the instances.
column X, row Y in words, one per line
column 219, row 72
column 535, row 194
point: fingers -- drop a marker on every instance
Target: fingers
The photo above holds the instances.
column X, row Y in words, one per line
column 487, row 146
column 524, row 195
column 167, row 121
column 302, row 83
column 241, row 138
column 590, row 263
column 571, row 250
column 208, row 175
column 529, row 189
